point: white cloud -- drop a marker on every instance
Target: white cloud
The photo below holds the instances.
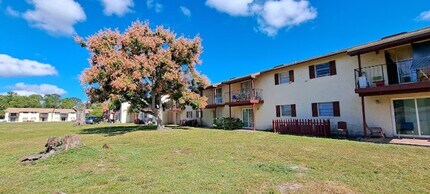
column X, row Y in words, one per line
column 424, row 16
column 11, row 67
column 117, row 7
column 185, row 11
column 55, row 16
column 231, row 7
column 271, row 15
column 23, row 89
column 12, row 12
column 284, row 13
column 158, row 7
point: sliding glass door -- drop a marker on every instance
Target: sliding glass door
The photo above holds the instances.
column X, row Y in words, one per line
column 423, row 105
column 247, row 118
column 412, row 116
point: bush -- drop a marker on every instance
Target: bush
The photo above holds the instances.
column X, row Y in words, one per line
column 227, row 123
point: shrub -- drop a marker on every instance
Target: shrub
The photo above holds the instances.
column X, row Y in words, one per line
column 227, row 123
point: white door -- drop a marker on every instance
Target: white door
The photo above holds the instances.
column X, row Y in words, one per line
column 247, row 118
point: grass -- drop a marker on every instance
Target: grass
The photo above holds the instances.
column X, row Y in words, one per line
column 202, row 160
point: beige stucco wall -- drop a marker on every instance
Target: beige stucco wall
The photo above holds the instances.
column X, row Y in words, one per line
column 340, row 87
column 304, row 91
column 379, row 110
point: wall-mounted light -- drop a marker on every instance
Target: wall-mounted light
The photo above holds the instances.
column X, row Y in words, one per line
column 378, row 102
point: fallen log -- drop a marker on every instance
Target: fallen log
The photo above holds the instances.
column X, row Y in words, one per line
column 53, row 146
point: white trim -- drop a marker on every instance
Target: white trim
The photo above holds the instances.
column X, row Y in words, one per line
column 393, row 117
column 248, row 118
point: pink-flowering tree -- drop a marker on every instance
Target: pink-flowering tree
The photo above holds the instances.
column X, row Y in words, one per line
column 143, row 66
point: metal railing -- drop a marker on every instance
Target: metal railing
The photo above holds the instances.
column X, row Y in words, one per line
column 215, row 99
column 408, row 71
column 370, row 76
column 245, row 95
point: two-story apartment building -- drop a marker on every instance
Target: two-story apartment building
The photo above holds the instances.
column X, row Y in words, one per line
column 40, row 115
column 380, row 84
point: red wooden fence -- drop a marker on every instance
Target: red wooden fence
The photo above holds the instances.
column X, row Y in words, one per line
column 306, row 127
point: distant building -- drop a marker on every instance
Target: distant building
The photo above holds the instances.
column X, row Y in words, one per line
column 40, row 115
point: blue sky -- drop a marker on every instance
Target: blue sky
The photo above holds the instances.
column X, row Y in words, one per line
column 38, row 54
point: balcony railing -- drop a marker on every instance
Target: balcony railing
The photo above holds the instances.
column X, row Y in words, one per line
column 245, row 95
column 370, row 76
column 215, row 100
column 408, row 71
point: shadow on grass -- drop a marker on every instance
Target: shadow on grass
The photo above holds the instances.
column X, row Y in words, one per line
column 117, row 130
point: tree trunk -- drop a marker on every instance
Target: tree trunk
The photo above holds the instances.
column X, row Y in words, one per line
column 54, row 145
column 159, row 115
column 80, row 115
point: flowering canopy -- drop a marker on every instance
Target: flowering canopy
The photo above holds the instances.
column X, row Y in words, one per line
column 141, row 66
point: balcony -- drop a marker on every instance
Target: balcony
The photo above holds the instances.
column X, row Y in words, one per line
column 215, row 101
column 404, row 76
column 244, row 97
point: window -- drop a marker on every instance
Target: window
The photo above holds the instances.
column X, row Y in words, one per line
column 198, row 114
column 284, row 78
column 322, row 70
column 286, row 110
column 63, row 119
column 189, row 114
column 326, row 109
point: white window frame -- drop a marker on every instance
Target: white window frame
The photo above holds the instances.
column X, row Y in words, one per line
column 323, row 75
column 393, row 117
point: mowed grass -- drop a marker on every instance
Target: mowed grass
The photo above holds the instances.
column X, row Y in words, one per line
column 193, row 160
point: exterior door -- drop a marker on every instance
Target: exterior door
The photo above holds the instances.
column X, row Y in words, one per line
column 246, row 90
column 247, row 118
column 412, row 117
column 218, row 96
column 423, row 105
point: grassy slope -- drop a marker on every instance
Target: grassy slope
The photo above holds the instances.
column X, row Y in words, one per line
column 203, row 160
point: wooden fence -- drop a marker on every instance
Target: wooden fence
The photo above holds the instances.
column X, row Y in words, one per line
column 306, row 127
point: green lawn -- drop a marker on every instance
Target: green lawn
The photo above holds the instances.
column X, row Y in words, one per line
column 204, row 160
